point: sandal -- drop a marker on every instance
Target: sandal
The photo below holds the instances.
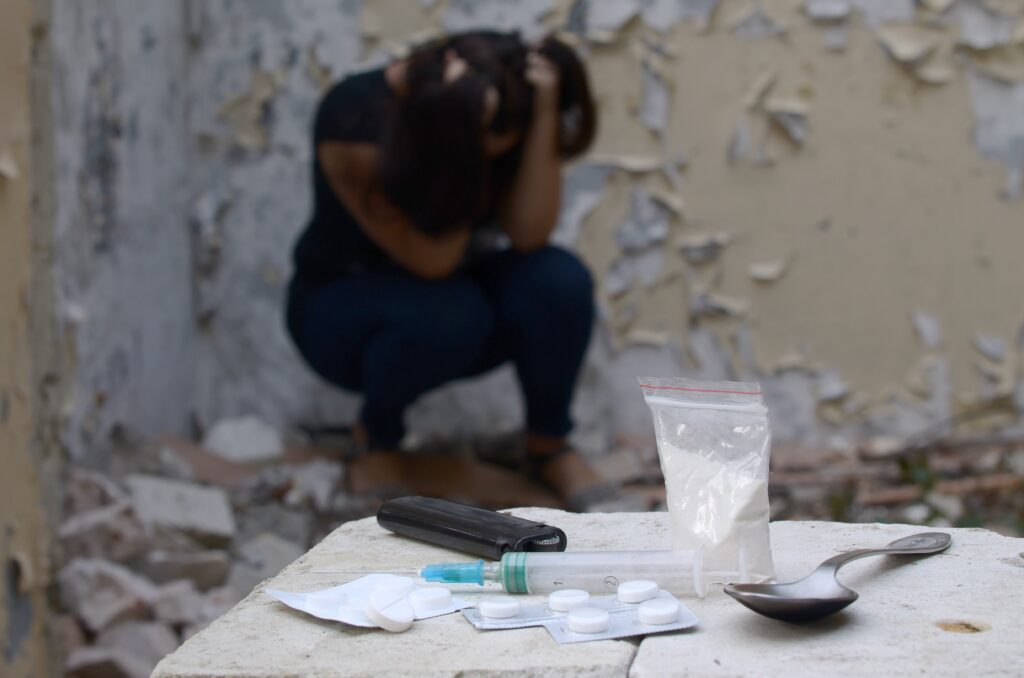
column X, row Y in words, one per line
column 578, row 502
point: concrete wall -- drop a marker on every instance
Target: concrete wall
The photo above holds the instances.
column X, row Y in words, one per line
column 827, row 200
column 29, row 383
column 124, row 259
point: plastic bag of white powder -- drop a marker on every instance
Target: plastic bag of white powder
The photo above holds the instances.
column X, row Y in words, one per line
column 713, row 441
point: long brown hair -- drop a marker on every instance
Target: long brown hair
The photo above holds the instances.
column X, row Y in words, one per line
column 433, row 164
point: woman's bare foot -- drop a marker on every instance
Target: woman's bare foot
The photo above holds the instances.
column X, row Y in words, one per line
column 567, row 472
column 377, row 472
column 374, row 471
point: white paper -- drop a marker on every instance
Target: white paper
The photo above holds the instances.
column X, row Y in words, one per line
column 345, row 603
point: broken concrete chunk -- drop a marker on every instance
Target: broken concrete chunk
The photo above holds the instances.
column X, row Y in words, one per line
column 769, row 271
column 909, row 43
column 929, row 332
column 314, row 483
column 202, row 512
column 206, row 568
column 261, row 559
column 178, row 603
column 101, row 593
column 1004, row 63
column 703, row 248
column 993, row 348
column 827, row 11
column 148, row 641
column 105, row 662
column 831, row 386
column 949, row 505
column 109, row 532
column 88, row 490
column 246, row 439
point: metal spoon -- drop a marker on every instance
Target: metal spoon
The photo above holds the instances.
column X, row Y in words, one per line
column 820, row 594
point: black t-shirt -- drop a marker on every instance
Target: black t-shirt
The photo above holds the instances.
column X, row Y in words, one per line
column 334, row 244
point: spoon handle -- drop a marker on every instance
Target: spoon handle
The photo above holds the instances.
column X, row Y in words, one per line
column 924, row 543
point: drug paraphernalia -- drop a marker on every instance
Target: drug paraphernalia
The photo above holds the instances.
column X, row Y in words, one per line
column 472, row 530
column 601, row 618
column 713, row 441
column 594, row 571
column 376, row 600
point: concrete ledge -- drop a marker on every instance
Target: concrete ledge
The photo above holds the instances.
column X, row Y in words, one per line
column 892, row 630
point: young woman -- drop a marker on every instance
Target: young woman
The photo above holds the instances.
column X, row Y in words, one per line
column 436, row 186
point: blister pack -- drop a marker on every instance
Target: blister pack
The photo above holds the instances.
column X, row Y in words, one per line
column 573, row 616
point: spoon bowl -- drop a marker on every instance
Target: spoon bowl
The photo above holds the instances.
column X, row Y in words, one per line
column 820, row 594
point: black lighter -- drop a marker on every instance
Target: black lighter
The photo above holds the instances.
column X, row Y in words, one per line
column 469, row 529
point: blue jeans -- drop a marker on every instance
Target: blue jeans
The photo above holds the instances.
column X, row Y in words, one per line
column 393, row 337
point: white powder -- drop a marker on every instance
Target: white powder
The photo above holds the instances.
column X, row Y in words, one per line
column 720, row 509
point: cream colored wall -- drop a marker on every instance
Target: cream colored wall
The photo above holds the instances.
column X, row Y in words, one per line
column 24, row 538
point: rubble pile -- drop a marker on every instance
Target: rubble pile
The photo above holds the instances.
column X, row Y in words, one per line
column 174, row 534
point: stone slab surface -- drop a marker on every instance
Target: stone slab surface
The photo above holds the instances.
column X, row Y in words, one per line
column 892, row 630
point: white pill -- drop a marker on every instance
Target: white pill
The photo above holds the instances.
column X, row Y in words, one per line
column 430, row 601
column 390, row 610
column 567, row 600
column 637, row 591
column 658, row 611
column 588, row 620
column 499, row 607
column 401, row 585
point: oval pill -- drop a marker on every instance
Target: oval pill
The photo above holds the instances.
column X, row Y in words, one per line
column 390, row 610
column 430, row 601
column 588, row 620
column 658, row 611
column 499, row 607
column 637, row 590
column 567, row 600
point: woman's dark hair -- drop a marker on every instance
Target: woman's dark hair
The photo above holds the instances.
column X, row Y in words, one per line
column 433, row 162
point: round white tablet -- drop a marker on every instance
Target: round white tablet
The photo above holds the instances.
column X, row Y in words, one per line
column 588, row 620
column 390, row 610
column 499, row 607
column 430, row 601
column 658, row 611
column 401, row 585
column 637, row 591
column 567, row 600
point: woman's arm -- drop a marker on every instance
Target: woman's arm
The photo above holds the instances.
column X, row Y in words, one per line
column 530, row 210
column 351, row 170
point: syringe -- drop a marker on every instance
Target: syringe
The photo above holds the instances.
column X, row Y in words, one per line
column 594, row 571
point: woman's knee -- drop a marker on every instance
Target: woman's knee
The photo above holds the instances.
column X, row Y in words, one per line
column 555, row 279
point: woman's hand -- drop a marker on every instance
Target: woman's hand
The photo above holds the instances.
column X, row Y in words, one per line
column 542, row 73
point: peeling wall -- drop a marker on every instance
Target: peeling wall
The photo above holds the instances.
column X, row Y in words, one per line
column 822, row 195
column 124, row 258
column 28, row 471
